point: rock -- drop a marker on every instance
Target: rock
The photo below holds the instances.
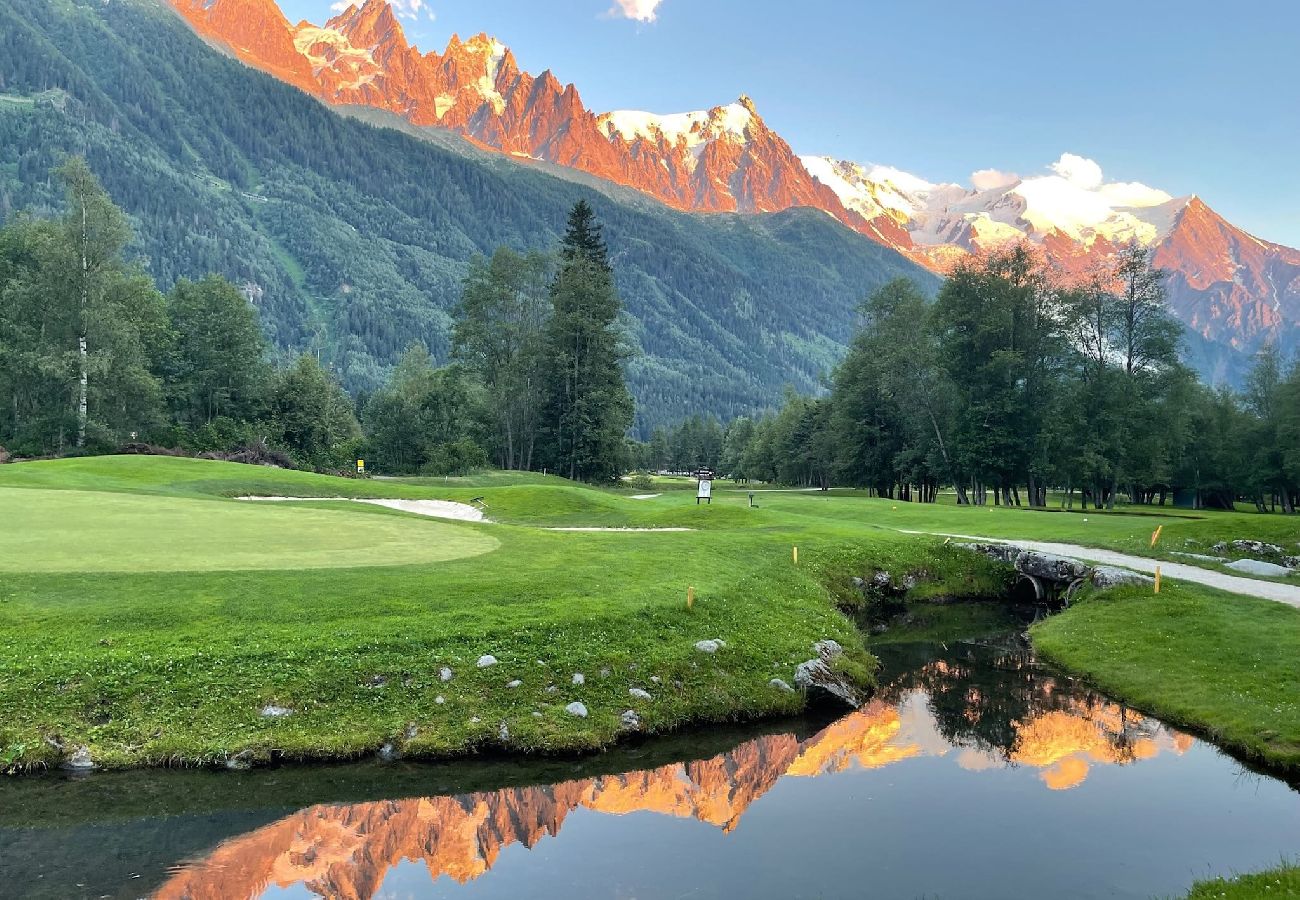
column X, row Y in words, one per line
column 630, row 721
column 1110, row 576
column 389, row 753
column 1291, row 562
column 1050, row 567
column 816, row 676
column 377, row 681
column 1006, row 553
column 576, row 709
column 536, row 714
column 440, row 699
column 79, row 761
column 858, row 583
column 579, row 678
column 639, row 694
column 487, row 660
column 710, row 646
column 474, row 720
column 446, row 674
column 514, row 684
column 604, row 671
column 781, row 685
column 412, row 732
column 241, row 761
column 1199, row 556
column 551, row 689
column 1257, row 567
column 271, row 711
column 504, row 732
column 828, row 650
column 656, row 679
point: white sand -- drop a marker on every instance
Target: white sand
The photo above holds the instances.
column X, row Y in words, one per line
column 643, row 496
column 438, row 509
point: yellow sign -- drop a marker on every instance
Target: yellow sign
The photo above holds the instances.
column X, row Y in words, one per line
column 361, row 467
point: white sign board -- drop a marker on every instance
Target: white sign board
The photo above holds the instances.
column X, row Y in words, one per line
column 706, row 490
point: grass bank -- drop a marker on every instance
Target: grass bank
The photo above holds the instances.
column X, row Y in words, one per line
column 1219, row 664
column 1284, row 881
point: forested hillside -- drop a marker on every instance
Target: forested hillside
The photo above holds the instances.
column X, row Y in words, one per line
column 352, row 240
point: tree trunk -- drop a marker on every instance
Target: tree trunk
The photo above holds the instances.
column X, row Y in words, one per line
column 82, row 356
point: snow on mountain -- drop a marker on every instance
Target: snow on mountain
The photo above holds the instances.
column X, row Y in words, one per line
column 1072, row 200
column 692, row 130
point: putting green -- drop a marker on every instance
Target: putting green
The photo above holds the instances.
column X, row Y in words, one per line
column 90, row 531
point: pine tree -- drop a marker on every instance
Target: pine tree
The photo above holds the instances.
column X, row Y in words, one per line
column 587, row 406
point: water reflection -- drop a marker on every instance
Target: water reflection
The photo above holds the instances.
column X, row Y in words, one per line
column 981, row 709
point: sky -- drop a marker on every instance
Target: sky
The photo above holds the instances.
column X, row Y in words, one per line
column 1189, row 97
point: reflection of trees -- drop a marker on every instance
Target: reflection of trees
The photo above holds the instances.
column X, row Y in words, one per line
column 997, row 699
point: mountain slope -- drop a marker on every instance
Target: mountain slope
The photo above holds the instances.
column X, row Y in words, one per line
column 724, row 159
column 352, row 239
column 727, row 159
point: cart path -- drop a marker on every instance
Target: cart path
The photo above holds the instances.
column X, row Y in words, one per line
column 1249, row 587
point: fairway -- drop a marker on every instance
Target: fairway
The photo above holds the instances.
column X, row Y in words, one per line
column 92, row 531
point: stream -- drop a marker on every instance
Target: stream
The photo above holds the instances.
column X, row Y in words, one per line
column 976, row 772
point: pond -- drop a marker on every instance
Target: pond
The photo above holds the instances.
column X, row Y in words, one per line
column 976, row 772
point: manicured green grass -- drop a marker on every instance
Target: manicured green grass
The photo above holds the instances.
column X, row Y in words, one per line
column 94, row 531
column 1217, row 663
column 174, row 667
column 149, row 617
column 1284, row 881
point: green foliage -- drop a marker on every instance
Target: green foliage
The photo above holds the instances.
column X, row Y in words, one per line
column 218, row 367
column 586, row 407
column 312, row 416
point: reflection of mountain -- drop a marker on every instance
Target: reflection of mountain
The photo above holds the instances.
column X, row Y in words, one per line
column 347, row 850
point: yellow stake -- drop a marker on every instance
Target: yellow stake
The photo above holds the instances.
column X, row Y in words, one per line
column 796, row 556
column 1156, row 536
column 1157, row 579
column 690, row 598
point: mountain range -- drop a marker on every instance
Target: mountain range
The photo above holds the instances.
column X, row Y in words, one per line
column 1228, row 287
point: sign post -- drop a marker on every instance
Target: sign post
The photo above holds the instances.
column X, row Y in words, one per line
column 705, row 491
column 361, row 467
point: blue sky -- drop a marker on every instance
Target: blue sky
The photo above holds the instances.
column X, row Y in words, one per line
column 1190, row 97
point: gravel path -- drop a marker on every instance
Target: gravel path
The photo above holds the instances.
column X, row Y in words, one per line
column 1250, row 587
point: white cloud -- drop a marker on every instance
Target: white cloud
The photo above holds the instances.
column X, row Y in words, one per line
column 340, row 6
column 637, row 10
column 1079, row 171
column 988, row 179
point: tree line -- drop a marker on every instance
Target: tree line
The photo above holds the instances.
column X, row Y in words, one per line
column 1016, row 379
column 93, row 357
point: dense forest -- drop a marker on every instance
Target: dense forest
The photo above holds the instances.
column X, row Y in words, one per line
column 353, row 240
column 93, row 358
column 1013, row 381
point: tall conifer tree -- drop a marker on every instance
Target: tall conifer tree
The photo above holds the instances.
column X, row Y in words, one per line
column 587, row 406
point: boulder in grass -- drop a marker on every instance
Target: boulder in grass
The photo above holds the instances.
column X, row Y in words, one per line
column 1113, row 576
column 630, row 721
column 576, row 709
column 271, row 711
column 817, row 677
column 639, row 694
column 1258, row 567
column 781, row 685
column 710, row 646
column 487, row 660
column 80, row 761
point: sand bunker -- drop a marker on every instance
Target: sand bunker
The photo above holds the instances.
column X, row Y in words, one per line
column 438, row 509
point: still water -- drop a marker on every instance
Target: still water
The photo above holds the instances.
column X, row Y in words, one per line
column 975, row 774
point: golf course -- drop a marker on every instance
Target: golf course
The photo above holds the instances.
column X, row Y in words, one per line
column 152, row 618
